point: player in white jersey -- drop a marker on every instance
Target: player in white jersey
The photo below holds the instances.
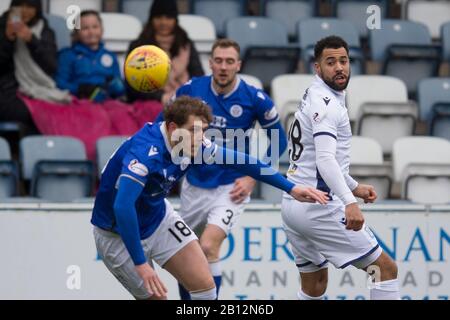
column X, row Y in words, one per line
column 319, row 150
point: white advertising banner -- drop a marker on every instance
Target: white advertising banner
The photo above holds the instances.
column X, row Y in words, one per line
column 52, row 255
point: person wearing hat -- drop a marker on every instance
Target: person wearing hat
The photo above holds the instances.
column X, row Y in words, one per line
column 162, row 30
column 27, row 53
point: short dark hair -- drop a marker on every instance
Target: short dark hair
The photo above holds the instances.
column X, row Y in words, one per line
column 91, row 12
column 330, row 42
column 182, row 107
column 226, row 43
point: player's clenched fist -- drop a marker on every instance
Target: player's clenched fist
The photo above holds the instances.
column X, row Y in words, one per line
column 353, row 217
column 309, row 195
column 365, row 192
column 151, row 281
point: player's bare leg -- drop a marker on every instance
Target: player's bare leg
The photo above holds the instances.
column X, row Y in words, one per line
column 211, row 240
column 384, row 271
column 190, row 267
column 313, row 284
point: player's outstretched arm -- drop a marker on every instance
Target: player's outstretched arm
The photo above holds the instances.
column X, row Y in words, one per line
column 126, row 217
column 251, row 166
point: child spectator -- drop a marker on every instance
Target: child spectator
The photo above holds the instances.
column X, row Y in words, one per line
column 87, row 69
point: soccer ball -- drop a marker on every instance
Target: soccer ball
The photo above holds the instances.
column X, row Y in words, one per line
column 147, row 68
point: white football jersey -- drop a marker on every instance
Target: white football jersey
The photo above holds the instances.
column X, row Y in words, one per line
column 322, row 111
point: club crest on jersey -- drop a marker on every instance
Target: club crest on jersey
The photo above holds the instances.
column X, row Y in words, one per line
column 138, row 168
column 236, row 110
column 271, row 114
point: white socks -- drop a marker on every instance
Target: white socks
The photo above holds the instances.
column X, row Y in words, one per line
column 209, row 294
column 215, row 268
column 303, row 296
column 385, row 290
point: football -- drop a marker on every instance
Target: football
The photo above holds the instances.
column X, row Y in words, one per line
column 147, row 68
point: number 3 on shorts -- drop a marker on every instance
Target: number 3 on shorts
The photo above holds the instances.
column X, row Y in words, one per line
column 182, row 229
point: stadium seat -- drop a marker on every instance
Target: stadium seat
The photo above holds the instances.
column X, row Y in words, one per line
column 287, row 92
column 138, row 8
column 383, row 117
column 264, row 47
column 62, row 33
column 115, row 36
column 289, row 12
column 57, row 167
column 405, row 50
column 445, row 38
column 312, row 30
column 434, row 104
column 8, row 172
column 355, row 11
column 422, row 166
column 218, row 11
column 251, row 80
column 59, row 7
column 105, row 148
column 366, row 165
column 4, row 5
column 202, row 32
column 373, row 88
column 433, row 14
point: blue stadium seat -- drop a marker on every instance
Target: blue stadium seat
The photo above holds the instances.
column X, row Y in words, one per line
column 312, row 30
column 264, row 47
column 434, row 105
column 219, row 11
column 355, row 11
column 445, row 37
column 59, row 26
column 289, row 12
column 57, row 167
column 8, row 172
column 406, row 51
column 105, row 147
column 138, row 8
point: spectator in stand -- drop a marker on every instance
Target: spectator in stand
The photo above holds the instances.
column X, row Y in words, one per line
column 28, row 60
column 162, row 29
column 87, row 69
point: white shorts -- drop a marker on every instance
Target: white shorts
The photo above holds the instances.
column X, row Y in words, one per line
column 160, row 246
column 200, row 207
column 317, row 235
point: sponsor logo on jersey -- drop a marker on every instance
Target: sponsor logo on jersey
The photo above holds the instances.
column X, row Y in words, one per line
column 236, row 110
column 153, row 151
column 271, row 114
column 306, row 94
column 326, row 100
column 219, row 122
column 138, row 168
